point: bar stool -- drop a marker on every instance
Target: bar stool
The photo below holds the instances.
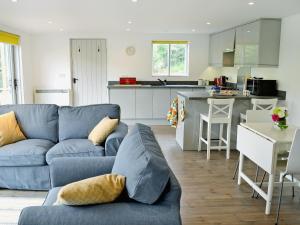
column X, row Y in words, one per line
column 260, row 104
column 220, row 112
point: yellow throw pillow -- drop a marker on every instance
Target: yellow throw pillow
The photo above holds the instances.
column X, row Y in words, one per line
column 101, row 131
column 10, row 131
column 95, row 190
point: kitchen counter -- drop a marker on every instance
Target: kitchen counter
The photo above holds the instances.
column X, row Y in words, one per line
column 155, row 86
column 204, row 94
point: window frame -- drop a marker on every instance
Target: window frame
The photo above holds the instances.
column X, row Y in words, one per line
column 187, row 54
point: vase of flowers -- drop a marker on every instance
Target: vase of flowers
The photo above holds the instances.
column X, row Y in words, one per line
column 279, row 116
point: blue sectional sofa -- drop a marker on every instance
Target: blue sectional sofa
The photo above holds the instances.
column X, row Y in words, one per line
column 53, row 132
column 152, row 194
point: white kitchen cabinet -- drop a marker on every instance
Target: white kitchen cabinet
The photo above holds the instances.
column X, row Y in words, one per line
column 143, row 103
column 247, row 44
column 258, row 43
column 220, row 43
column 125, row 98
column 228, row 40
column 161, row 103
column 216, row 51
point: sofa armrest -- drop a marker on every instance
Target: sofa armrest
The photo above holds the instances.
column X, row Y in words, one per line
column 103, row 214
column 115, row 139
column 66, row 170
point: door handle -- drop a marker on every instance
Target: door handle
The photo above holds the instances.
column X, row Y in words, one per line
column 75, row 80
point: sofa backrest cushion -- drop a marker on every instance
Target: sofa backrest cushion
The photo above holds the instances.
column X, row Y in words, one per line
column 78, row 122
column 141, row 161
column 36, row 121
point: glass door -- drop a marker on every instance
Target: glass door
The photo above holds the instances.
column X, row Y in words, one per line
column 8, row 74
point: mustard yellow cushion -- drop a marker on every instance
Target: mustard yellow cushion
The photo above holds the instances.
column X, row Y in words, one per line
column 95, row 190
column 101, row 131
column 10, row 131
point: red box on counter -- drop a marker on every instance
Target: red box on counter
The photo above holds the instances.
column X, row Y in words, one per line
column 127, row 80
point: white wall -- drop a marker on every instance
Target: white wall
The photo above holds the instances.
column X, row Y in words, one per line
column 51, row 55
column 289, row 65
column 26, row 66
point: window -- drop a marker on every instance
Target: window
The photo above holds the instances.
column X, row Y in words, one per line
column 9, row 69
column 170, row 58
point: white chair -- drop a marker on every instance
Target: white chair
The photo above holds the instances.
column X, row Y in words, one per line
column 220, row 112
column 292, row 168
column 260, row 104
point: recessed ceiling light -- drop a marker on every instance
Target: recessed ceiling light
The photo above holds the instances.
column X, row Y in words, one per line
column 129, row 22
column 248, row 31
column 50, row 22
column 251, row 3
column 128, row 29
column 208, row 23
column 14, row 0
column 61, row 29
column 134, row 0
column 193, row 30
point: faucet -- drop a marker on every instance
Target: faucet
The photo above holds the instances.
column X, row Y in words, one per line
column 163, row 82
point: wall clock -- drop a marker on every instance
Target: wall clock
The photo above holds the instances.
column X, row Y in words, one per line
column 130, row 50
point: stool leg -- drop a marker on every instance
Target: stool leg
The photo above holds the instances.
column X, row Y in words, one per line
column 293, row 188
column 228, row 140
column 236, row 169
column 200, row 134
column 220, row 136
column 208, row 140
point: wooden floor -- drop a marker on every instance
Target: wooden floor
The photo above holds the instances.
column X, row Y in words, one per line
column 210, row 196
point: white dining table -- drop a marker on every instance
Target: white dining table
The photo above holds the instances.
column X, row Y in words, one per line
column 261, row 143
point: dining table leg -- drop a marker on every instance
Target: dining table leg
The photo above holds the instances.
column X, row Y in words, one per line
column 270, row 193
column 241, row 165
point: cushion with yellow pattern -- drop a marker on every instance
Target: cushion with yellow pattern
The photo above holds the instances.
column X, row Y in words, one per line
column 95, row 190
column 101, row 131
column 10, row 131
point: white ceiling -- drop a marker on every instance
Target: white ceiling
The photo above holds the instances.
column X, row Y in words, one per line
column 154, row 16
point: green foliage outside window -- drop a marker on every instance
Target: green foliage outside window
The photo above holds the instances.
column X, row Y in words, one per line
column 170, row 59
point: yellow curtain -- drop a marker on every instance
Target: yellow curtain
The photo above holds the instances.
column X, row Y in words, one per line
column 9, row 38
column 170, row 42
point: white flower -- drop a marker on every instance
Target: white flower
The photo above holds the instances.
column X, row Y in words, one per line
column 281, row 114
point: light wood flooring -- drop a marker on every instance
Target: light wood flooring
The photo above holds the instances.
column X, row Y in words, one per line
column 210, row 196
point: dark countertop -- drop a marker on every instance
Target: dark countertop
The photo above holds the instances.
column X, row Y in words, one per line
column 203, row 94
column 155, row 86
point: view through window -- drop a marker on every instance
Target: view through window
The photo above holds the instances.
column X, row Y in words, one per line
column 8, row 73
column 170, row 58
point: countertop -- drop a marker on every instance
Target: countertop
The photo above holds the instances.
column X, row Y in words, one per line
column 112, row 86
column 203, row 94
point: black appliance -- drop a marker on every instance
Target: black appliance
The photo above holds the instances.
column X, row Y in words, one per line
column 260, row 87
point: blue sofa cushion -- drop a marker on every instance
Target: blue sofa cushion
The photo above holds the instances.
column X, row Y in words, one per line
column 78, row 122
column 74, row 148
column 141, row 161
column 30, row 152
column 36, row 121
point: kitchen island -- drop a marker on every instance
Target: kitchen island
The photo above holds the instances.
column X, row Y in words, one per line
column 194, row 103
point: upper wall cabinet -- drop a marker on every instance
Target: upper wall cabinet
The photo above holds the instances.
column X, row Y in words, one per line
column 258, row 43
column 253, row 44
column 220, row 43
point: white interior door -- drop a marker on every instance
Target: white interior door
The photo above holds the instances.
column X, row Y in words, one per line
column 89, row 76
